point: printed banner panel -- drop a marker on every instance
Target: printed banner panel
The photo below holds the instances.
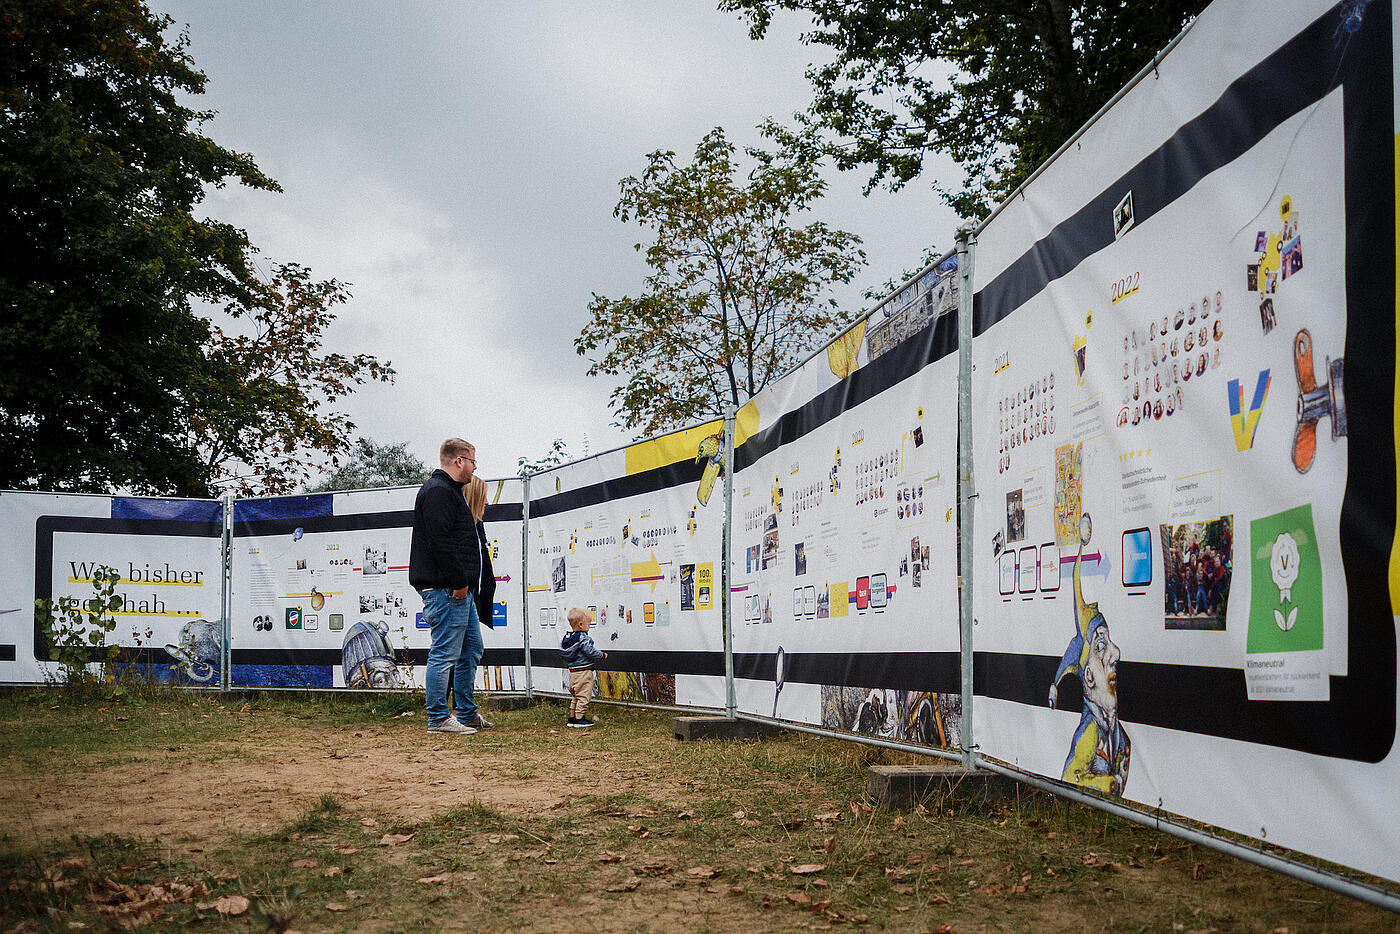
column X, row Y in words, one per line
column 844, row 596
column 321, row 597
column 633, row 537
column 1184, row 371
column 166, row 554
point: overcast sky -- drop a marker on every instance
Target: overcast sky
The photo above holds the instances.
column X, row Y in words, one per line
column 458, row 164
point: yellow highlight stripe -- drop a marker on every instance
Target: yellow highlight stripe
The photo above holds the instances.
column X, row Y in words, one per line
column 538, row 588
column 191, row 614
column 683, row 445
column 123, row 580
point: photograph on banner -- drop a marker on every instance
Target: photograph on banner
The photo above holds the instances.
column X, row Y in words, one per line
column 161, row 560
column 321, row 596
column 843, row 548
column 634, row 537
column 1161, row 433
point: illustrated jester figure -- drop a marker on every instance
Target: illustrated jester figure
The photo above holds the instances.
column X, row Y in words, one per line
column 1099, row 753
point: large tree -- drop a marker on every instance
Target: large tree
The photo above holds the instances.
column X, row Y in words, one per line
column 998, row 85
column 372, row 466
column 737, row 291
column 110, row 378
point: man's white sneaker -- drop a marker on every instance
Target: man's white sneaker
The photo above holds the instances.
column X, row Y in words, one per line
column 452, row 725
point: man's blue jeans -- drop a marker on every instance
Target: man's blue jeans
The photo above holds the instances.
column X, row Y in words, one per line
column 456, row 648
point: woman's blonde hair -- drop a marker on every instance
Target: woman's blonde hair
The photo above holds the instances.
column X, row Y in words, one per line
column 476, row 497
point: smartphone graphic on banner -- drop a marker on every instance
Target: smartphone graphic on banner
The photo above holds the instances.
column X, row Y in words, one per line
column 862, row 593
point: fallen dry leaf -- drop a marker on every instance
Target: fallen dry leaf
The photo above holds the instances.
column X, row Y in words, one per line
column 807, row 869
column 608, row 856
column 394, row 839
column 433, row 880
column 629, row 885
column 335, row 906
column 828, row 816
column 368, row 822
column 305, row 863
column 701, row 872
column 331, row 871
column 799, row 898
column 346, row 849
column 230, row 905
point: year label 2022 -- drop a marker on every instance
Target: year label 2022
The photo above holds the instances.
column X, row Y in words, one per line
column 1128, row 285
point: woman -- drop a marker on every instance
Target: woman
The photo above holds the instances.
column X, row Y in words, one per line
column 485, row 594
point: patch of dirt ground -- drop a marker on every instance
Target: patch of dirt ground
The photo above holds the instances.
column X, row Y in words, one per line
column 267, row 778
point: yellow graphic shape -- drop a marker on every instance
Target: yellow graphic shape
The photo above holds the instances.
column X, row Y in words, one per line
column 840, row 599
column 1272, row 261
column 647, row 572
column 682, row 445
column 842, row 354
column 538, row 588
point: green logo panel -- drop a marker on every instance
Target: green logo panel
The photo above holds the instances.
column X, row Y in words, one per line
column 1285, row 607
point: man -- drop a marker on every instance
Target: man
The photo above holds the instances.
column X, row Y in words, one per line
column 444, row 566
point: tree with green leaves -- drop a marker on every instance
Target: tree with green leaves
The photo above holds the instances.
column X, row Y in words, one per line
column 110, row 378
column 373, row 466
column 998, row 86
column 557, row 454
column 737, row 292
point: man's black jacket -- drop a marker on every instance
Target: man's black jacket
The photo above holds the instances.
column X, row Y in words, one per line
column 444, row 551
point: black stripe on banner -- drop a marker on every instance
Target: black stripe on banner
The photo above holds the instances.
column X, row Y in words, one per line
column 905, row 359
column 646, row 481
column 1250, row 109
column 359, row 521
column 332, row 657
column 1359, row 720
column 669, row 663
column 936, row 672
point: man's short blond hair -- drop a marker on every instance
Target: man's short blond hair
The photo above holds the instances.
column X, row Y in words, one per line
column 579, row 615
column 453, row 447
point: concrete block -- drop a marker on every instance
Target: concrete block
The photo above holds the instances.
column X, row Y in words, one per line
column 688, row 729
column 904, row 786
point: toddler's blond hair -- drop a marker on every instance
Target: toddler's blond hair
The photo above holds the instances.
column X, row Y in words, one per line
column 578, row 615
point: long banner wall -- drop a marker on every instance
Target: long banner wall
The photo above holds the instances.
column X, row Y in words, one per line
column 321, row 598
column 1184, row 376
column 167, row 554
column 1183, row 434
column 843, row 592
column 633, row 537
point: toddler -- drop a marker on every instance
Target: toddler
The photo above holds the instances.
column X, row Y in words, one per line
column 580, row 654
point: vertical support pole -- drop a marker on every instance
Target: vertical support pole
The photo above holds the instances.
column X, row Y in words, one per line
column 966, row 490
column 525, row 582
column 226, row 593
column 726, row 615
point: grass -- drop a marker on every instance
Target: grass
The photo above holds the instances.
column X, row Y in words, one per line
column 618, row 829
